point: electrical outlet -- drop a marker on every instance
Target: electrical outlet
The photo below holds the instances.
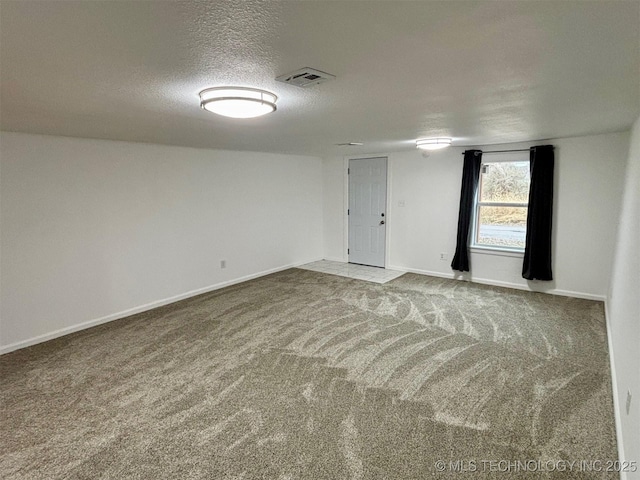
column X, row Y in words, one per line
column 401, row 203
column 443, row 256
column 628, row 401
column 223, row 264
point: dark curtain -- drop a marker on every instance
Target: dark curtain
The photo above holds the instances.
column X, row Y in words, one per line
column 537, row 252
column 470, row 177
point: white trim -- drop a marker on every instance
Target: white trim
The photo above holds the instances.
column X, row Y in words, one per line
column 616, row 405
column 335, row 259
column 345, row 207
column 142, row 308
column 388, row 213
column 502, row 252
column 499, row 283
column 365, row 156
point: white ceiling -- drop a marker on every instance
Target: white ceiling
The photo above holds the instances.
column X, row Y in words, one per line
column 481, row 72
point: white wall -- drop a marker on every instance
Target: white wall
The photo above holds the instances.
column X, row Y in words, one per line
column 624, row 307
column 588, row 191
column 95, row 229
column 334, row 209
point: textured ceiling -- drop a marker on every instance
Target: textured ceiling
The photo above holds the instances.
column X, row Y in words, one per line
column 480, row 72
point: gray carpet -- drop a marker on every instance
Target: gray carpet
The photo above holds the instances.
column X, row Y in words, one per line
column 304, row 375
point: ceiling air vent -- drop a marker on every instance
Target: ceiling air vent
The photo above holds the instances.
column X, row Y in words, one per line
column 305, row 77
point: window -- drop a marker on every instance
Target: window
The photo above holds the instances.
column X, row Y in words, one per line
column 500, row 221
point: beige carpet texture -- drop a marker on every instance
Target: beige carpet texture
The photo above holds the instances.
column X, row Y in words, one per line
column 305, row 375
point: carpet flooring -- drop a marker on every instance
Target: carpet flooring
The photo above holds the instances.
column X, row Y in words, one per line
column 305, row 375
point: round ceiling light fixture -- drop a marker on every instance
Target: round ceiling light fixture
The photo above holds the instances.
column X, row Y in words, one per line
column 238, row 102
column 433, row 143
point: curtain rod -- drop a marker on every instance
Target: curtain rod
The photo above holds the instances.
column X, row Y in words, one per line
column 508, row 151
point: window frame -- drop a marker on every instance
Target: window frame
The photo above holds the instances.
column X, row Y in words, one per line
column 494, row 249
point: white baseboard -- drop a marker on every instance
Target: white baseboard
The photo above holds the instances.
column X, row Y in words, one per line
column 142, row 308
column 421, row 272
column 335, row 259
column 616, row 406
column 499, row 283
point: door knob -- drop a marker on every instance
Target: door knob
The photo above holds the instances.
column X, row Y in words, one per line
column 381, row 222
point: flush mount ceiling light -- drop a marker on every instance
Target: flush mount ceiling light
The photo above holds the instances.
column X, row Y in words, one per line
column 433, row 143
column 238, row 102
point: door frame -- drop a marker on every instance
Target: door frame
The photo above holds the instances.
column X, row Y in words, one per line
column 345, row 204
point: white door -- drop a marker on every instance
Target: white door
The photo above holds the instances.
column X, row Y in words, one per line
column 367, row 210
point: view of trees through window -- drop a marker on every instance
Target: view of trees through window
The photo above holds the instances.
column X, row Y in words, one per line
column 503, row 194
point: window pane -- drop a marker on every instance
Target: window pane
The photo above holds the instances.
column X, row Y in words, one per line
column 502, row 226
column 505, row 182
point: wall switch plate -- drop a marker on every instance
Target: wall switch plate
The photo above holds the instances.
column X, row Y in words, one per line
column 628, row 401
column 223, row 264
